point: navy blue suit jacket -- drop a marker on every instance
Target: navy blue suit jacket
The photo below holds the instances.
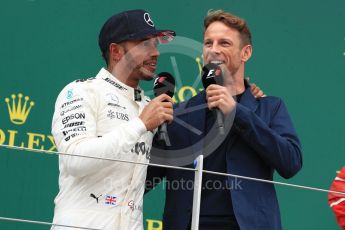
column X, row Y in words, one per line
column 263, row 141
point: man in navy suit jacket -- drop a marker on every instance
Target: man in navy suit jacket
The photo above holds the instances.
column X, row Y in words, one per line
column 260, row 140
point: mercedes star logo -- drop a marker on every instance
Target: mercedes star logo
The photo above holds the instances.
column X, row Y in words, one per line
column 148, row 19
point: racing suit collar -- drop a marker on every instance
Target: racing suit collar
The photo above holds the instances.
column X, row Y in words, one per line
column 135, row 94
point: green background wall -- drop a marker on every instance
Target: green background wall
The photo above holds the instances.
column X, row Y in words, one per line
column 299, row 55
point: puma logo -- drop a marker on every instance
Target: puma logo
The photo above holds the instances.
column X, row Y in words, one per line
column 95, row 197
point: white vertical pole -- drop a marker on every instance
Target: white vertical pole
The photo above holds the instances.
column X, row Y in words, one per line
column 197, row 192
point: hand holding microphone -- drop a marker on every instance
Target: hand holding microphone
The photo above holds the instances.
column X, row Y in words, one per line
column 218, row 97
column 164, row 85
column 160, row 109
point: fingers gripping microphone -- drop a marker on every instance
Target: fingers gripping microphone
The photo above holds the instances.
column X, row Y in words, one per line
column 212, row 74
column 164, row 83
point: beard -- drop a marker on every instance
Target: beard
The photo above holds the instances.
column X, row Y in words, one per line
column 145, row 74
column 143, row 70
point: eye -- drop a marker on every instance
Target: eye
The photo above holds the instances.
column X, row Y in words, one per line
column 145, row 43
column 156, row 43
column 207, row 43
column 225, row 43
column 150, row 43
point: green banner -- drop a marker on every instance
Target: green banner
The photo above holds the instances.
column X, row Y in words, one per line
column 298, row 55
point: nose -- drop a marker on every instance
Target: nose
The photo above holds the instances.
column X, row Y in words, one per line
column 212, row 52
column 155, row 52
column 152, row 45
column 215, row 49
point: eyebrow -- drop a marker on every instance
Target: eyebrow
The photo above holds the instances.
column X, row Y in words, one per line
column 221, row 39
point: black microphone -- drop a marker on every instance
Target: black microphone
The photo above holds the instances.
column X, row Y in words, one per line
column 212, row 74
column 164, row 83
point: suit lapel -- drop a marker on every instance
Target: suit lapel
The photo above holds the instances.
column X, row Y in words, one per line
column 249, row 101
column 196, row 108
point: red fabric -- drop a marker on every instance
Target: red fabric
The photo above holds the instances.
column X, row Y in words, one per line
column 338, row 209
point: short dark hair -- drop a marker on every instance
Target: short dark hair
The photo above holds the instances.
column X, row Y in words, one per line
column 232, row 21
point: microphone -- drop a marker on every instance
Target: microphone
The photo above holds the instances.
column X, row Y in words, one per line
column 164, row 83
column 212, row 74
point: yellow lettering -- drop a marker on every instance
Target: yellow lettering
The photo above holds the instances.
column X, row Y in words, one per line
column 53, row 148
column 12, row 137
column 35, row 141
column 2, row 137
column 181, row 92
column 154, row 224
column 174, row 99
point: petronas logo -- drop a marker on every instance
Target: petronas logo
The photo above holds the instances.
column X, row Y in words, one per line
column 19, row 108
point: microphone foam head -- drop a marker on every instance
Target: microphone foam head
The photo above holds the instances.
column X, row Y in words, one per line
column 212, row 74
column 164, row 83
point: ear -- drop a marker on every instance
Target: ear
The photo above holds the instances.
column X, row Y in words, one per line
column 115, row 52
column 246, row 52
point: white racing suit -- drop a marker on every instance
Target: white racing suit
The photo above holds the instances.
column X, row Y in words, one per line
column 98, row 117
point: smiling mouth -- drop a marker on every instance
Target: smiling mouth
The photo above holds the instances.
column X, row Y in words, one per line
column 150, row 65
column 148, row 68
column 151, row 62
column 217, row 62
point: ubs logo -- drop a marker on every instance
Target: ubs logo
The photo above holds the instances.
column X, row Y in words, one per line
column 121, row 116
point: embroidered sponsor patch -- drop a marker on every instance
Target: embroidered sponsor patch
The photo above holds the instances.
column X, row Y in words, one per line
column 118, row 115
column 133, row 206
column 111, row 200
column 117, row 85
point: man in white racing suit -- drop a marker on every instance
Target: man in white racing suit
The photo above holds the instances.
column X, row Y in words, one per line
column 109, row 117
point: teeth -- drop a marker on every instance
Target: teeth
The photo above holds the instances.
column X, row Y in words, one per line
column 150, row 63
column 217, row 62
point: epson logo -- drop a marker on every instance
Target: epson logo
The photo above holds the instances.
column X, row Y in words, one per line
column 73, row 116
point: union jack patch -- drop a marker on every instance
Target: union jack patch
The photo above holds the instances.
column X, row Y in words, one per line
column 110, row 200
